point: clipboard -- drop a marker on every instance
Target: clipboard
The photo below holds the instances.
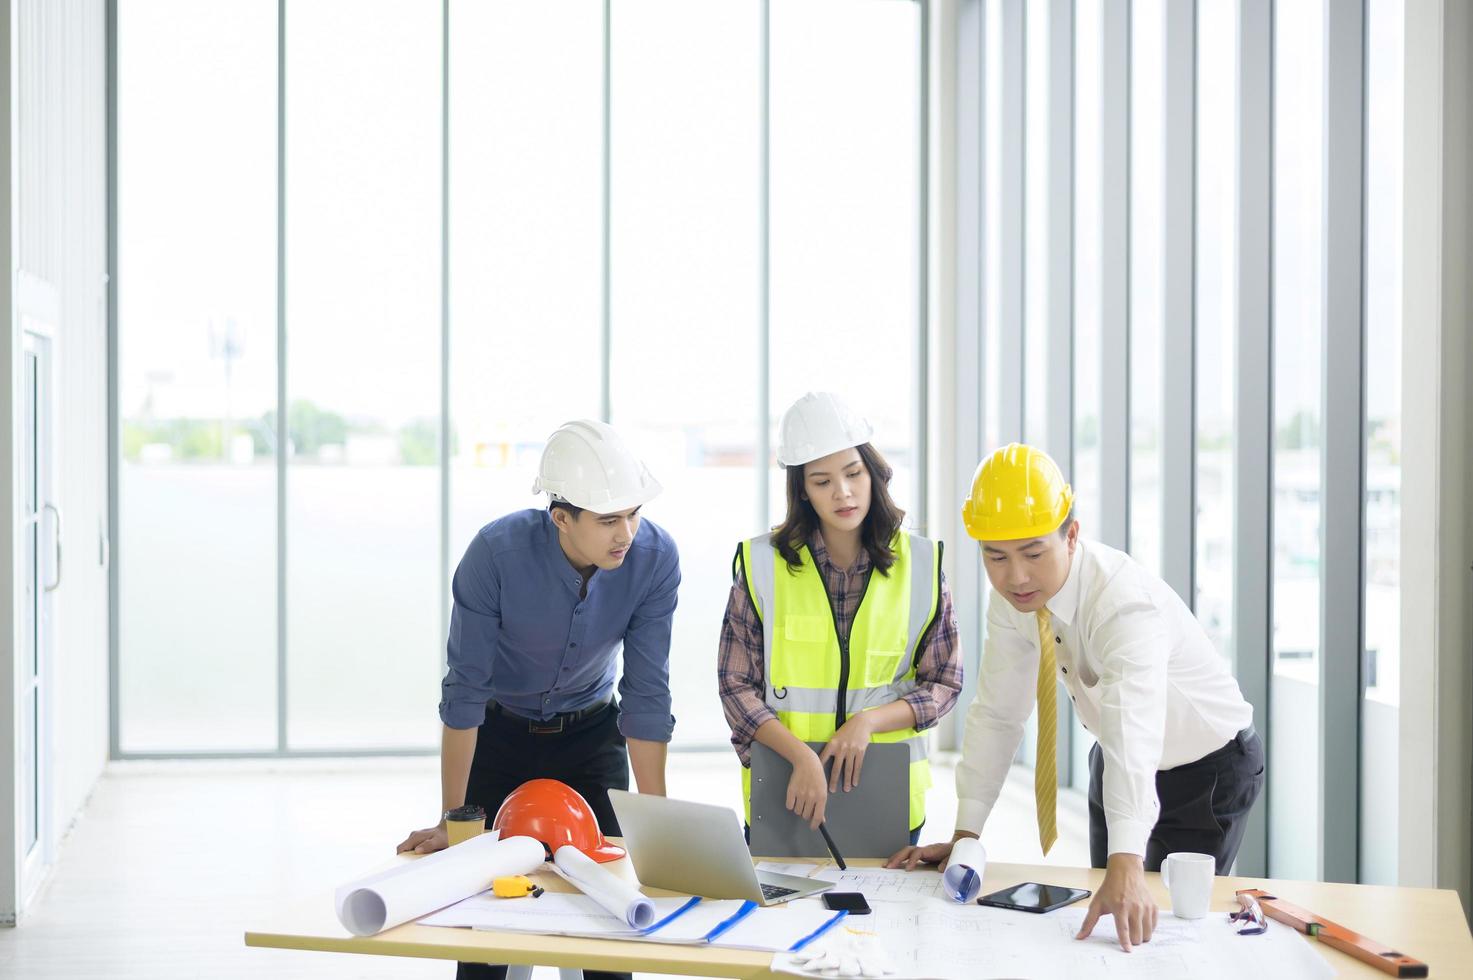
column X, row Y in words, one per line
column 870, row 821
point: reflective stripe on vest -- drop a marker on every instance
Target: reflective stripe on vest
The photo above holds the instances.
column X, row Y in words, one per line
column 805, row 665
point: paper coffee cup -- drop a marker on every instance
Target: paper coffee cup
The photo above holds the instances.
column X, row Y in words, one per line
column 464, row 822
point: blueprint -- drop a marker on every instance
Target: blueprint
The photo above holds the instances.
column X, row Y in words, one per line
column 876, row 884
column 678, row 920
column 933, row 938
column 553, row 913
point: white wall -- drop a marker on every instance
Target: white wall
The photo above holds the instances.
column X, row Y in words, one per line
column 63, row 239
column 8, row 620
column 58, row 229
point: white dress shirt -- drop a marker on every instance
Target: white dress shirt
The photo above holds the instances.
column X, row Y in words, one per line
column 1144, row 678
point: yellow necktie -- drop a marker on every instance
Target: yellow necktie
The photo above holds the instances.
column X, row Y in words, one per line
column 1045, row 764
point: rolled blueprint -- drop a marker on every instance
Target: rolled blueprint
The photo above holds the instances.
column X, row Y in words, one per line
column 607, row 889
column 415, row 888
column 962, row 878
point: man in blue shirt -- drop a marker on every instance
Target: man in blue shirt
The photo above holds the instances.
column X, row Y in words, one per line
column 543, row 602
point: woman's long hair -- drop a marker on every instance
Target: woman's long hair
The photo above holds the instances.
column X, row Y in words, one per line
column 879, row 527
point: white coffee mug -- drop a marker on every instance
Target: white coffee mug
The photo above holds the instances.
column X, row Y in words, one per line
column 1188, row 877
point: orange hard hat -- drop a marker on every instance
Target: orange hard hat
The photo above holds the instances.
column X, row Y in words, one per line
column 555, row 814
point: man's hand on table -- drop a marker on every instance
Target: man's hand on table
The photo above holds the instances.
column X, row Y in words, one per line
column 937, row 854
column 425, row 841
column 1123, row 894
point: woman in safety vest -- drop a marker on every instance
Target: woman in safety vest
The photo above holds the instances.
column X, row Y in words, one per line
column 839, row 628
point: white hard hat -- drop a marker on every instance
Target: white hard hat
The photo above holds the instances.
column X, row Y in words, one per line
column 586, row 464
column 817, row 424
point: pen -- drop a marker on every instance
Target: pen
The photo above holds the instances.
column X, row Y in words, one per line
column 838, row 859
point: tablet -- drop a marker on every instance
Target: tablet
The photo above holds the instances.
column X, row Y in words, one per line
column 1031, row 896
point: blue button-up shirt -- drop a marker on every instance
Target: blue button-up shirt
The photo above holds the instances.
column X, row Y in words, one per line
column 521, row 635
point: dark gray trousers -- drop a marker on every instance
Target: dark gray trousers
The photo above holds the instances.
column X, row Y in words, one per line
column 589, row 756
column 1204, row 804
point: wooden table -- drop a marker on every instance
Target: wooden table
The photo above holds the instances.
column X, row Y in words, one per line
column 1427, row 923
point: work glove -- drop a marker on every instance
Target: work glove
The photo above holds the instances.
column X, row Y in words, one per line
column 846, row 953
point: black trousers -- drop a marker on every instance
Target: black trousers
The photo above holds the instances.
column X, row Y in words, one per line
column 588, row 755
column 1204, row 804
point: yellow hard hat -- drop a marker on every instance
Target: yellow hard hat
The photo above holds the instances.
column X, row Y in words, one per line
column 1018, row 492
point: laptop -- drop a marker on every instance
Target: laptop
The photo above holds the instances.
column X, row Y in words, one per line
column 870, row 821
column 697, row 849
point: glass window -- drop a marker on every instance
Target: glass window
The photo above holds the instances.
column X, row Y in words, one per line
column 1385, row 30
column 197, row 376
column 1147, row 287
column 1037, row 293
column 1035, row 268
column 363, row 245
column 1088, row 153
column 997, row 245
column 1088, row 156
column 526, row 198
column 363, row 356
column 1298, row 186
column 685, row 301
column 993, row 234
column 1216, row 311
column 845, row 98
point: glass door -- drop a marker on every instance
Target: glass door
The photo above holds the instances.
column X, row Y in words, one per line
column 41, row 576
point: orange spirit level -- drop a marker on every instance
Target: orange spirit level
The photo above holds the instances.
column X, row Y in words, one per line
column 1332, row 933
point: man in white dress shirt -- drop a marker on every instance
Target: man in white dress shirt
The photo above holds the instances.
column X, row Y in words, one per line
column 1176, row 765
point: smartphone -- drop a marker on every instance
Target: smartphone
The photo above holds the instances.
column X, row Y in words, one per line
column 1031, row 896
column 851, row 902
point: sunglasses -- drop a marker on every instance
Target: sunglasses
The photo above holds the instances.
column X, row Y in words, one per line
column 1250, row 917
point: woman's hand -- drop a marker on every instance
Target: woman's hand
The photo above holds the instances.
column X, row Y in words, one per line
column 808, row 792
column 847, row 749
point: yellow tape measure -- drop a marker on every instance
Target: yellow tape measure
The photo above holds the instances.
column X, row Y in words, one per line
column 514, row 886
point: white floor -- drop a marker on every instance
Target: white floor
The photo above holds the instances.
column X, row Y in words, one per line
column 170, row 862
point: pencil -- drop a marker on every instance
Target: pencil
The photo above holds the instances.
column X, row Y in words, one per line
column 834, row 850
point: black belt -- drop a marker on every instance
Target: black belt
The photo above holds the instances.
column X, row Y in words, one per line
column 1238, row 741
column 548, row 726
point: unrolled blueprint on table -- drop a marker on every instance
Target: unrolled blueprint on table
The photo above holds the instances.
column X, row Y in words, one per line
column 553, row 914
column 735, row 924
column 875, row 884
column 934, row 938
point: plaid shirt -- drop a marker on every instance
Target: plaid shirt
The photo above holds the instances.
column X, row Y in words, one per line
column 739, row 668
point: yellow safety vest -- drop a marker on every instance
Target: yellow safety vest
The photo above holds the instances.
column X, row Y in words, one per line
column 813, row 681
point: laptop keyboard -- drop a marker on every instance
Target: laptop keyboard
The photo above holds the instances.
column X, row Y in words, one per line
column 770, row 892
